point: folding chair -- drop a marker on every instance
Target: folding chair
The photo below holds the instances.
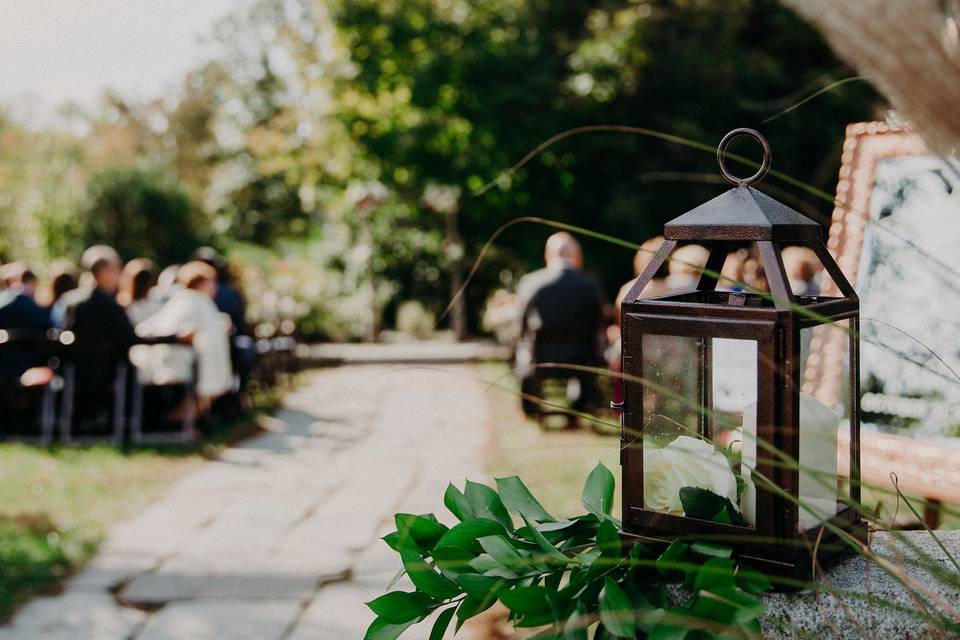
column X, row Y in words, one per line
column 28, row 411
column 150, row 403
column 93, row 405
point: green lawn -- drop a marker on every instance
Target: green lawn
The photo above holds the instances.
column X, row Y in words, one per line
column 56, row 505
column 554, row 464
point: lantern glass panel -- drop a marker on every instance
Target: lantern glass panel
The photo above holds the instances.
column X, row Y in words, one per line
column 825, row 424
column 697, row 392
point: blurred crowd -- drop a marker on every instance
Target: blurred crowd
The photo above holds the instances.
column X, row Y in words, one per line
column 559, row 313
column 183, row 325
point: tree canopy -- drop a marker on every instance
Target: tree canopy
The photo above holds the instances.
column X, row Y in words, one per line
column 308, row 103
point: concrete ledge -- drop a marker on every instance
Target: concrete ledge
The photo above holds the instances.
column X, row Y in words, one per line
column 868, row 601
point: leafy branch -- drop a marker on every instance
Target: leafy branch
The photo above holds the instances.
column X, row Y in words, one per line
column 570, row 578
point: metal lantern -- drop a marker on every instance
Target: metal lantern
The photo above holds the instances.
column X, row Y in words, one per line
column 722, row 437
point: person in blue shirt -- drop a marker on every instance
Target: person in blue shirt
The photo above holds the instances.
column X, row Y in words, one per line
column 19, row 311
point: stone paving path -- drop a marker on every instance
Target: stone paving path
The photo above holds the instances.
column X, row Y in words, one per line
column 278, row 539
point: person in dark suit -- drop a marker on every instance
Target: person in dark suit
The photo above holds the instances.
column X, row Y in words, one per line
column 104, row 333
column 561, row 315
column 19, row 312
column 91, row 312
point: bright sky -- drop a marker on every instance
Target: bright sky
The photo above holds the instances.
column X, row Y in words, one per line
column 59, row 50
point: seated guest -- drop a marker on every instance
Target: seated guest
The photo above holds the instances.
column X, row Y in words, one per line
column 754, row 275
column 61, row 277
column 166, row 285
column 91, row 310
column 230, row 301
column 191, row 311
column 18, row 310
column 104, row 333
column 685, row 267
column 802, row 267
column 731, row 274
column 561, row 318
column 136, row 280
column 228, row 298
column 657, row 286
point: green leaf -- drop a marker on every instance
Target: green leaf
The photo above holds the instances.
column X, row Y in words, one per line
column 422, row 530
column 470, row 607
column 706, row 505
column 711, row 550
column 452, row 561
column 457, row 503
column 481, row 587
column 393, row 540
column 669, row 631
column 751, row 580
column 401, row 606
column 380, row 629
column 716, row 573
column 485, row 503
column 489, row 567
column 526, row 600
column 441, row 624
column 506, row 554
column 552, row 552
column 577, row 623
column 608, row 540
column 747, row 608
column 561, row 525
column 588, row 557
column 727, row 606
column 466, row 534
column 425, row 577
column 616, row 611
column 396, row 578
column 518, row 499
column 598, row 492
column 675, row 554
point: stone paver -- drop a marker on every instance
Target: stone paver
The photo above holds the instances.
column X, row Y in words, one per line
column 75, row 615
column 279, row 537
column 216, row 620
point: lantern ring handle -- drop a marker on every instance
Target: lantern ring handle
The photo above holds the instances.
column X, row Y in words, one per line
column 722, row 151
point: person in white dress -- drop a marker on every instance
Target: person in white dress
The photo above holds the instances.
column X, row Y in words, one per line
column 137, row 278
column 190, row 311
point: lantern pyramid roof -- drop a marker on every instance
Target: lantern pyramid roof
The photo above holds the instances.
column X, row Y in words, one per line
column 743, row 213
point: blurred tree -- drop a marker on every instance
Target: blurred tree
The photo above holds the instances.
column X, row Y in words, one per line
column 455, row 92
column 278, row 147
column 142, row 213
column 42, row 175
column 305, row 98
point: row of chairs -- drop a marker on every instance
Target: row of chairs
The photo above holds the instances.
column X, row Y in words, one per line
column 95, row 396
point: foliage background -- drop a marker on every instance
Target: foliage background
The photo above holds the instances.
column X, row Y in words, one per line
column 311, row 105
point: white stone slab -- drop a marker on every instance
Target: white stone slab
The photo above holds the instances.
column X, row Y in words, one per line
column 108, row 570
column 74, row 616
column 222, row 620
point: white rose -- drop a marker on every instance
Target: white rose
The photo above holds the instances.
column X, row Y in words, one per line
column 685, row 462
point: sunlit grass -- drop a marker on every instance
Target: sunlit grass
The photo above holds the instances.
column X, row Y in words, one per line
column 553, row 464
column 56, row 505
